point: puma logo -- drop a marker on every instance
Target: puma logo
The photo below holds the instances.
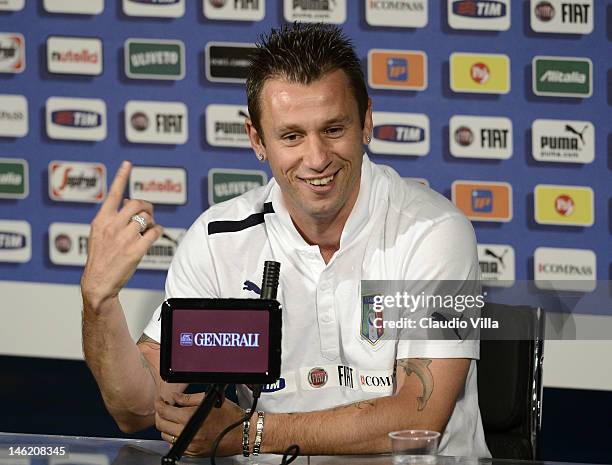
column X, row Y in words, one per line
column 568, row 128
column 251, row 286
column 499, row 258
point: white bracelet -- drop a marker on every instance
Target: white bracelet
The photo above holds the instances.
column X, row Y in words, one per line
column 258, row 433
column 245, row 435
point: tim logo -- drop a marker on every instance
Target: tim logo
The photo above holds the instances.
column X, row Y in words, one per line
column 482, row 200
column 479, row 9
column 76, row 118
column 399, row 133
column 397, row 69
column 186, row 339
column 278, row 386
column 564, row 205
column 12, row 241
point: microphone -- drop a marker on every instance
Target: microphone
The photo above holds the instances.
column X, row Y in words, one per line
column 269, row 283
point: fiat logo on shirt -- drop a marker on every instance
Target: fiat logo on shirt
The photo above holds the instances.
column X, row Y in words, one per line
column 317, row 377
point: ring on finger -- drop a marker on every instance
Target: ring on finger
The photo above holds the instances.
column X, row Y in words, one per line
column 173, row 440
column 141, row 222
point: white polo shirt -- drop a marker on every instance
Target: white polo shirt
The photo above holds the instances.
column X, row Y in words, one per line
column 331, row 354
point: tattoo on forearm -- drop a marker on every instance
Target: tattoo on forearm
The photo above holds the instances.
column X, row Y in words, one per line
column 420, row 367
column 143, row 360
column 145, row 338
column 363, row 404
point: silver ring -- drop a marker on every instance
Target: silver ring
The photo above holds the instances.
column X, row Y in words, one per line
column 173, row 439
column 141, row 221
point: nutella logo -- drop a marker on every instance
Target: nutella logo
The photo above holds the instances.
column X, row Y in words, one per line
column 159, row 185
column 74, row 55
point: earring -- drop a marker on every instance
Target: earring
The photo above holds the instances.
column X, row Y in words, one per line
column 260, row 157
column 368, row 140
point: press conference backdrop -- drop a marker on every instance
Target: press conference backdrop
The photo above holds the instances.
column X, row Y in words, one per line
column 502, row 106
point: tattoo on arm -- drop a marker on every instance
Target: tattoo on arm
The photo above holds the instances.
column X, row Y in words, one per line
column 420, row 367
column 363, row 404
column 143, row 360
column 145, row 338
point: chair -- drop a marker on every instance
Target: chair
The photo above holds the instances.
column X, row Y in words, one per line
column 510, row 381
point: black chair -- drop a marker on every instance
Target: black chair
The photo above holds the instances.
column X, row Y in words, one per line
column 510, row 381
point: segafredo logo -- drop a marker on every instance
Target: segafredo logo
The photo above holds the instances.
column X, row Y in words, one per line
column 89, row 7
column 77, row 181
column 15, row 241
column 235, row 10
column 497, row 265
column 154, row 8
column 12, row 52
column 150, row 122
column 74, row 55
column 564, row 141
column 315, row 11
column 76, row 119
column 225, row 126
column 562, row 16
column 11, row 5
column 397, row 13
column 13, row 115
column 159, row 185
column 400, row 133
column 480, row 137
column 565, row 269
column 480, row 15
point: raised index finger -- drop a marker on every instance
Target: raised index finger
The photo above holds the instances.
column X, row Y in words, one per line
column 117, row 188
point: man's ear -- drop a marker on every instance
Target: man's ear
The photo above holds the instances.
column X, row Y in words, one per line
column 256, row 139
column 368, row 125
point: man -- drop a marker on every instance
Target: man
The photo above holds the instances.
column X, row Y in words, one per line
column 332, row 218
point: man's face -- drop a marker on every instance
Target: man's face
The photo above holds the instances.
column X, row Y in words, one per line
column 314, row 143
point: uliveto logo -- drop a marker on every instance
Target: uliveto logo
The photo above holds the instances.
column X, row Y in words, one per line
column 159, row 185
column 74, row 55
column 225, row 184
column 77, row 181
column 76, row 119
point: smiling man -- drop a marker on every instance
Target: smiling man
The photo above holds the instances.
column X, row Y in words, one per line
column 332, row 218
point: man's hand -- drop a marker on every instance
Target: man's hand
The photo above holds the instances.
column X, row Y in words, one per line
column 170, row 421
column 115, row 244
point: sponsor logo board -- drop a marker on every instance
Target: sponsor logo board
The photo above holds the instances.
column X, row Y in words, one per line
column 228, row 61
column 68, row 246
column 564, row 205
column 400, row 133
column 13, row 115
column 77, row 181
column 225, row 126
column 565, row 269
column 88, row 7
column 480, row 73
column 12, row 52
column 563, row 141
column 154, row 8
column 74, row 55
column 562, row 76
column 315, row 11
column 14, row 181
column 150, row 122
column 11, row 5
column 497, row 265
column 480, row 137
column 76, row 119
column 562, row 16
column 225, row 184
column 489, row 15
column 397, row 69
column 154, row 59
column 483, row 200
column 15, row 241
column 159, row 185
column 235, row 10
column 397, row 13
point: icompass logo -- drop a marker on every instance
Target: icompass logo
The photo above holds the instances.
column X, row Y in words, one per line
column 12, row 5
column 397, row 13
column 564, row 205
column 74, row 55
column 154, row 59
column 400, row 133
column 562, row 76
column 397, row 69
column 483, row 200
column 76, row 119
column 562, row 16
column 483, row 73
column 155, row 8
column 12, row 52
column 492, row 15
column 13, row 115
column 565, row 269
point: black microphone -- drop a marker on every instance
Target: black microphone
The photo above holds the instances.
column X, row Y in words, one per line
column 269, row 283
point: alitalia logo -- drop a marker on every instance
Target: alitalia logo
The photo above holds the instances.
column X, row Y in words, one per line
column 154, row 59
column 13, row 178
column 562, row 76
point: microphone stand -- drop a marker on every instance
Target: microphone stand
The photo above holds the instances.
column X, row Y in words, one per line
column 214, row 398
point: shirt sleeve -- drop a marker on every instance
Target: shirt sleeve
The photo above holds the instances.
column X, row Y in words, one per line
column 191, row 273
column 444, row 262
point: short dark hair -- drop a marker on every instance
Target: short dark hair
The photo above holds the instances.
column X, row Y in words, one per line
column 303, row 53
